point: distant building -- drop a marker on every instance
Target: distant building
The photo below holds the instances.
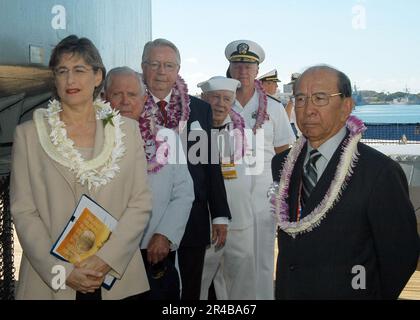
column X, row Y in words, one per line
column 288, row 88
column 402, row 100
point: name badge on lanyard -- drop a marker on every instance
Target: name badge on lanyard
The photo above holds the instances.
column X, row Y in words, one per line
column 229, row 171
column 227, row 162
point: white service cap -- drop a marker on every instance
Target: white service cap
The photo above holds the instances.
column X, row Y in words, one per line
column 295, row 76
column 244, row 51
column 270, row 76
column 219, row 83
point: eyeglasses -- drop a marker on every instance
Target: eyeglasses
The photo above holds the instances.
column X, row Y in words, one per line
column 78, row 71
column 319, row 99
column 168, row 66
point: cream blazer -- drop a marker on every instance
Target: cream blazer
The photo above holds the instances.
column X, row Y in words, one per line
column 43, row 196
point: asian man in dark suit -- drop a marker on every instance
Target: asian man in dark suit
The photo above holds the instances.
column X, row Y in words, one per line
column 168, row 95
column 347, row 229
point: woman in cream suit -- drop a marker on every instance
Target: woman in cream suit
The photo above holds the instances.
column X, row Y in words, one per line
column 78, row 146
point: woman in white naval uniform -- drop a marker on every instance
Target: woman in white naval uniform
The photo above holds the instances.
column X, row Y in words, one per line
column 260, row 112
column 231, row 267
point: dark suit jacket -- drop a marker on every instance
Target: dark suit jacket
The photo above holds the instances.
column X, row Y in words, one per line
column 373, row 225
column 209, row 187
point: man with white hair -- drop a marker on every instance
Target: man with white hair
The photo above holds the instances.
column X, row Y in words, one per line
column 169, row 105
column 231, row 267
column 172, row 191
column 125, row 90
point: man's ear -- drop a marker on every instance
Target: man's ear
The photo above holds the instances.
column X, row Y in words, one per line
column 348, row 105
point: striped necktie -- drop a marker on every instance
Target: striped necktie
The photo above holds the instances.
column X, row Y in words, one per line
column 310, row 176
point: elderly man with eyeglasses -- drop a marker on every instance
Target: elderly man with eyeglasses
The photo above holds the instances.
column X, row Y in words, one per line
column 169, row 106
column 347, row 229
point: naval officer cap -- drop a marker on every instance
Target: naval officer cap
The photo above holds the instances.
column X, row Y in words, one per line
column 270, row 76
column 219, row 83
column 244, row 51
column 295, row 76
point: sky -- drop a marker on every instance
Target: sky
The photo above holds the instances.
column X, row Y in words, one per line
column 375, row 42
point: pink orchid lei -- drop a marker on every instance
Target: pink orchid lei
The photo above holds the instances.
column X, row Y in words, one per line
column 238, row 134
column 262, row 114
column 279, row 193
column 151, row 121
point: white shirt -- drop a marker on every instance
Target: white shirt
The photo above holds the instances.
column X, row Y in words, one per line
column 277, row 130
column 172, row 195
column 327, row 150
column 220, row 220
column 238, row 190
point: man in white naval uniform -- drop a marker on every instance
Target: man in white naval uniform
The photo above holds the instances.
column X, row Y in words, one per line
column 260, row 112
column 231, row 267
column 270, row 82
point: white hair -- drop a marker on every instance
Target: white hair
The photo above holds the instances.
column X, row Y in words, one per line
column 125, row 71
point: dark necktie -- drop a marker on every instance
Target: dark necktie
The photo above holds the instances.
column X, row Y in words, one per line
column 310, row 176
column 221, row 127
column 162, row 104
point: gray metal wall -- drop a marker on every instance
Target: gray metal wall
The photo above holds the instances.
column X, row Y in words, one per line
column 119, row 28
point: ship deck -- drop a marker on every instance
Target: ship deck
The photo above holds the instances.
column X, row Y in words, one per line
column 410, row 292
column 412, row 289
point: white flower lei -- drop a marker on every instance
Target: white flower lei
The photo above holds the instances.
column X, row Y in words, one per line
column 279, row 193
column 95, row 172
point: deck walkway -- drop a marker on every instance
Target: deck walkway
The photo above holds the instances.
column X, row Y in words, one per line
column 410, row 292
column 412, row 289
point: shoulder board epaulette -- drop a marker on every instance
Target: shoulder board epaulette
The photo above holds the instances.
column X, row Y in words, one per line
column 275, row 99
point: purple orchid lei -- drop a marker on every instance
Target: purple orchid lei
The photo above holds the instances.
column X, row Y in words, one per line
column 239, row 134
column 151, row 121
column 262, row 114
column 280, row 193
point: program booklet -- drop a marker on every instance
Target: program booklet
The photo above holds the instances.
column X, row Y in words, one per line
column 89, row 228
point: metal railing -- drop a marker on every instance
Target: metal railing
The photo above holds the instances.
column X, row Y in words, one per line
column 392, row 133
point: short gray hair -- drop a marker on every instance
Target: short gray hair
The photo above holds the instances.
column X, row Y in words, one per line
column 343, row 81
column 159, row 43
column 125, row 71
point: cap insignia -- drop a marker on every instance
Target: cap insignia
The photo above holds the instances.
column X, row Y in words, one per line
column 243, row 48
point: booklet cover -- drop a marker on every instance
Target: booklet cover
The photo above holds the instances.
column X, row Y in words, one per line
column 88, row 229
